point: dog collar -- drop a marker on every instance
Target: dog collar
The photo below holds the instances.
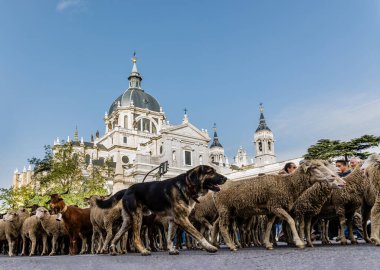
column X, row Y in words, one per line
column 192, row 192
column 64, row 209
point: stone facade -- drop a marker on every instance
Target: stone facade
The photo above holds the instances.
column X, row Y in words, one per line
column 138, row 137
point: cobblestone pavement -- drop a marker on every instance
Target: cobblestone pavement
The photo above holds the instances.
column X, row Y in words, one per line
column 362, row 256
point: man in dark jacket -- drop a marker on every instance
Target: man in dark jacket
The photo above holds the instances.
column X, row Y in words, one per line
column 342, row 165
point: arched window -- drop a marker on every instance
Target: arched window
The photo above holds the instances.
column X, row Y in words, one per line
column 146, row 125
column 269, row 146
column 200, row 160
column 260, row 146
column 174, row 157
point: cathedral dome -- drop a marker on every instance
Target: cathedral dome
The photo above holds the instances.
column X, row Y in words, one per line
column 136, row 97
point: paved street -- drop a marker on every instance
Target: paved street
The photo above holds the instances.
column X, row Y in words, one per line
column 362, row 256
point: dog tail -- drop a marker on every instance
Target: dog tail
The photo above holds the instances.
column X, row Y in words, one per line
column 111, row 201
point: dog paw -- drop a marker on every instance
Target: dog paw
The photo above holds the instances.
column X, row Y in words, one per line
column 174, row 252
column 211, row 249
column 145, row 253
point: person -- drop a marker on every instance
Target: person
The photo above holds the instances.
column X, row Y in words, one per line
column 342, row 166
column 354, row 162
column 289, row 168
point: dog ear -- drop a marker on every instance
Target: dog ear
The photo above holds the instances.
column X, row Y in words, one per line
column 193, row 176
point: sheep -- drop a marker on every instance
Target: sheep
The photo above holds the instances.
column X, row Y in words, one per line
column 32, row 229
column 345, row 202
column 103, row 220
column 52, row 227
column 273, row 195
column 372, row 200
column 13, row 223
column 205, row 214
column 308, row 205
column 3, row 237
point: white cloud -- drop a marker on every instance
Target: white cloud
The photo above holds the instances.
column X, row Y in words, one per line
column 69, row 4
column 336, row 117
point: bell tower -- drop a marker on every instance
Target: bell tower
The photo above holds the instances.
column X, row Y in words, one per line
column 217, row 150
column 263, row 142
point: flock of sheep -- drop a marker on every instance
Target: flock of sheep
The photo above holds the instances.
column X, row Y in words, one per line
column 241, row 214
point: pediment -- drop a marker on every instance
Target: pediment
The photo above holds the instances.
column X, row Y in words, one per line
column 187, row 131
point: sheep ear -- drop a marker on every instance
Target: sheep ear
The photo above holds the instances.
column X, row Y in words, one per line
column 306, row 166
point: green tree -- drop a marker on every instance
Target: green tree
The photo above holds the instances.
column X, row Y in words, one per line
column 62, row 169
column 328, row 149
column 14, row 198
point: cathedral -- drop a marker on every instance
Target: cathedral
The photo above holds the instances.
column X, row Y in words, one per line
column 138, row 137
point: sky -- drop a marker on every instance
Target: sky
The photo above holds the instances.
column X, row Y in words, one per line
column 315, row 65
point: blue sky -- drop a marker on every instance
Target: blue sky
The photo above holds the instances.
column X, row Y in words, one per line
column 314, row 64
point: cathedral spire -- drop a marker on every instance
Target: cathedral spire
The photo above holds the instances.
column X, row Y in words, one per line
column 134, row 77
column 215, row 142
column 76, row 138
column 262, row 123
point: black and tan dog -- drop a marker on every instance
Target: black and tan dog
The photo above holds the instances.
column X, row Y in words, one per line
column 173, row 198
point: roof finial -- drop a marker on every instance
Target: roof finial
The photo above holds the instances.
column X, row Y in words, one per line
column 185, row 118
column 214, row 128
column 134, row 59
column 261, row 107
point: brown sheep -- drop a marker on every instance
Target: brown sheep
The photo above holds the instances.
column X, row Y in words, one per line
column 52, row 227
column 309, row 205
column 3, row 237
column 32, row 229
column 13, row 223
column 372, row 201
column 104, row 220
column 205, row 214
column 273, row 195
column 343, row 203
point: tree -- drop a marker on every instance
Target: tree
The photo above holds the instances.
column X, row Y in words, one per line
column 14, row 198
column 42, row 165
column 328, row 149
column 62, row 169
column 66, row 173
